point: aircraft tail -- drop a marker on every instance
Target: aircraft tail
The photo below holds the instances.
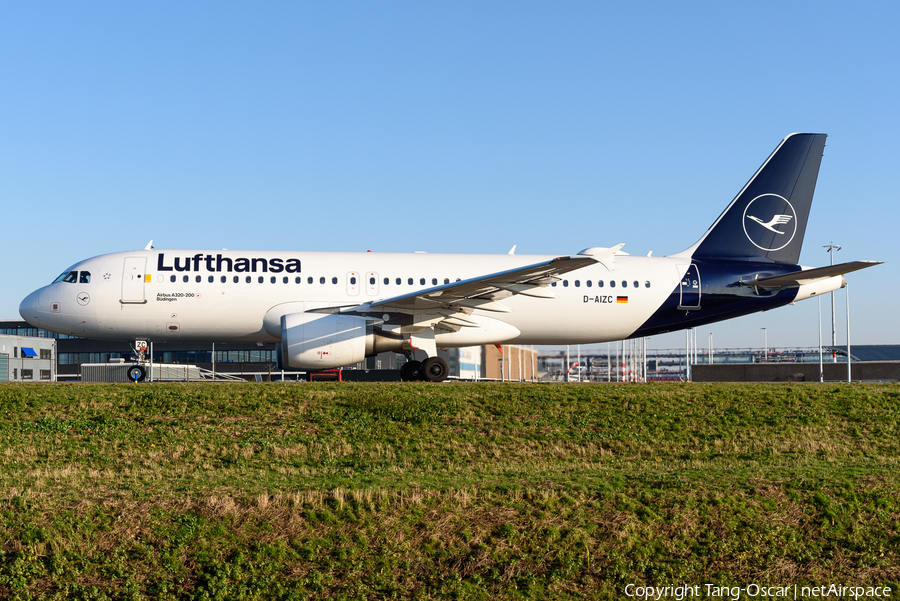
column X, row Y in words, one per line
column 766, row 221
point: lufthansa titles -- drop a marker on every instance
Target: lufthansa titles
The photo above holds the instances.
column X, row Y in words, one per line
column 218, row 263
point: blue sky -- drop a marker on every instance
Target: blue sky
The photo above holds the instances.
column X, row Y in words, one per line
column 445, row 127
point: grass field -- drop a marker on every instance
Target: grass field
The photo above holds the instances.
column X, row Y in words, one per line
column 470, row 491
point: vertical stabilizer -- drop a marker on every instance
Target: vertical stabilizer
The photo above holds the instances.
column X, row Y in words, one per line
column 766, row 221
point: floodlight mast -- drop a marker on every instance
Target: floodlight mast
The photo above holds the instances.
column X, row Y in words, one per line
column 831, row 249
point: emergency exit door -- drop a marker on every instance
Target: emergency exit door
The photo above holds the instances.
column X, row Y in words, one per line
column 690, row 289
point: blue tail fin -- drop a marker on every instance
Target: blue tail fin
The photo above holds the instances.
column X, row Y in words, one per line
column 766, row 221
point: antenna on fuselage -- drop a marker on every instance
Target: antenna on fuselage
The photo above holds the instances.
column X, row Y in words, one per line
column 149, row 245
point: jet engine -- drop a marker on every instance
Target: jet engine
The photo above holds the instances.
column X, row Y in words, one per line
column 327, row 341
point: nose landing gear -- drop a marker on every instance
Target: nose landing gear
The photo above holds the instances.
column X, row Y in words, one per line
column 137, row 373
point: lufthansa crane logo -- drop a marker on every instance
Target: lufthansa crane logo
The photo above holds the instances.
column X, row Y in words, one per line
column 770, row 222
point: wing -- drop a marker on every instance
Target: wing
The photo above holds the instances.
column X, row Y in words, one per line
column 482, row 292
column 450, row 306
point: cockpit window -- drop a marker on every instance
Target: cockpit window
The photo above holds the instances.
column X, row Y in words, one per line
column 85, row 277
column 69, row 277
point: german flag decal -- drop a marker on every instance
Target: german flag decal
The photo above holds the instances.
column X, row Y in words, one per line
column 621, row 299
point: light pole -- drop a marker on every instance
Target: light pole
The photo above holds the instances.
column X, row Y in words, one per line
column 766, row 342
column 831, row 249
column 847, row 290
column 821, row 369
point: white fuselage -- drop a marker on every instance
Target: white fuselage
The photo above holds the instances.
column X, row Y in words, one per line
column 186, row 295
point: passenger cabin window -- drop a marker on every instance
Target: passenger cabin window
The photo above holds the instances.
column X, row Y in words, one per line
column 387, row 281
column 446, row 280
column 636, row 285
column 85, row 277
column 261, row 279
column 297, row 280
column 198, row 279
column 434, row 281
column 309, row 280
column 212, row 279
column 399, row 281
column 284, row 280
column 171, row 278
column 334, row 280
column 421, row 281
column 588, row 283
column 372, row 281
column 322, row 280
column 248, row 279
column 578, row 283
column 353, row 280
column 236, row 279
column 186, row 278
column 612, row 283
column 600, row 284
column 410, row 281
column 565, row 283
column 647, row 284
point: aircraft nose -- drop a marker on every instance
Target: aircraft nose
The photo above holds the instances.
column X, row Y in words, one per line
column 29, row 309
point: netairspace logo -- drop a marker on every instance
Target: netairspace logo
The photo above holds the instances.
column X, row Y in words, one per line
column 735, row 593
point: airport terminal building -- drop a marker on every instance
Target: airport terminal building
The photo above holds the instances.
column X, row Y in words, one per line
column 71, row 352
column 27, row 357
column 29, row 354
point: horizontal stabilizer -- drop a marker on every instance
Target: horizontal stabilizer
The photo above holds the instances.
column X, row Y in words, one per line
column 809, row 276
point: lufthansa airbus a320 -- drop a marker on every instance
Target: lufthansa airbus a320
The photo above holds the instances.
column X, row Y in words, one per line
column 326, row 310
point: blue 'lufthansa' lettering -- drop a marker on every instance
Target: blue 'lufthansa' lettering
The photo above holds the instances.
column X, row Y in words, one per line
column 219, row 263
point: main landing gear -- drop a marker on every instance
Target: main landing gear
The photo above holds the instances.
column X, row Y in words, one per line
column 432, row 369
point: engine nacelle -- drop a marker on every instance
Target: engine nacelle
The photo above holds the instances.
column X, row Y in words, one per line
column 327, row 341
column 316, row 341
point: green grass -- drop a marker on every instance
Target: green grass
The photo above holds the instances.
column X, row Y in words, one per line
column 471, row 491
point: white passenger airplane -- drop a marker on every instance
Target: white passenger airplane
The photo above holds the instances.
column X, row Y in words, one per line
column 327, row 310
